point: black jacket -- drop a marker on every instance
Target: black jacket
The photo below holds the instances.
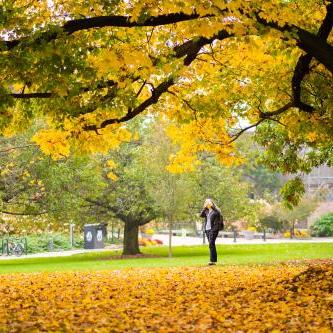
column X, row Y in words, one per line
column 215, row 220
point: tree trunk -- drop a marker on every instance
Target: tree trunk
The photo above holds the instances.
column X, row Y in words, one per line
column 131, row 238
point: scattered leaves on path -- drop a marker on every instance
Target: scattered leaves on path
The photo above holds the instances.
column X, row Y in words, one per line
column 280, row 298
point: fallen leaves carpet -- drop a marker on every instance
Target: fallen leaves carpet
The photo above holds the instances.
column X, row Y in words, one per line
column 296, row 297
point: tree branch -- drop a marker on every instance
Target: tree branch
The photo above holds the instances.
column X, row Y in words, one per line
column 236, row 136
column 315, row 45
column 14, row 148
column 131, row 113
column 22, row 214
column 301, row 69
column 107, row 84
column 105, row 21
column 267, row 115
column 191, row 48
column 303, row 65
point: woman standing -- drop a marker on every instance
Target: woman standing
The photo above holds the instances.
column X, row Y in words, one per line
column 213, row 223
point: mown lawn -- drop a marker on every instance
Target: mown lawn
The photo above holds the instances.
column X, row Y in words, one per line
column 240, row 254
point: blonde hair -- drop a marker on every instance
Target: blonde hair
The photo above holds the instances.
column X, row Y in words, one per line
column 214, row 205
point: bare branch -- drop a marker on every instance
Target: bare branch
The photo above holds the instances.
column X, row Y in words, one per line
column 236, row 136
column 22, row 214
column 109, row 83
column 14, row 148
column 142, row 86
column 131, row 113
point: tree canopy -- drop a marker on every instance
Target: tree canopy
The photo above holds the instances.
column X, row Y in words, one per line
column 214, row 68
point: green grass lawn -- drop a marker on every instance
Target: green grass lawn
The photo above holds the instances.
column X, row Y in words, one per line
column 182, row 256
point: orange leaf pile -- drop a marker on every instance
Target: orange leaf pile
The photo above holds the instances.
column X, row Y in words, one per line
column 281, row 298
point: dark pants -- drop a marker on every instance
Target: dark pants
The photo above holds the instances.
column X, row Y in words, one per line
column 211, row 236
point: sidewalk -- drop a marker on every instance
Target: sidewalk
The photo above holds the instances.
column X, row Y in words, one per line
column 66, row 253
column 179, row 241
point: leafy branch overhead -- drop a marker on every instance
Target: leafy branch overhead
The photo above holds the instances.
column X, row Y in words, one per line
column 215, row 69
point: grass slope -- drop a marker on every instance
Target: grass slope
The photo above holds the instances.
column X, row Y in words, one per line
column 182, row 256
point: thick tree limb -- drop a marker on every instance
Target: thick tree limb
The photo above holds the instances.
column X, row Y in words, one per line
column 267, row 115
column 315, row 45
column 323, row 52
column 302, row 68
column 33, row 95
column 303, row 65
column 106, row 21
column 191, row 48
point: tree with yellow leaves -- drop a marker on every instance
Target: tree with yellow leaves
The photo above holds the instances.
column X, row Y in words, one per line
column 215, row 68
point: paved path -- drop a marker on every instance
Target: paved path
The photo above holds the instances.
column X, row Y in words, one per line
column 176, row 241
column 66, row 253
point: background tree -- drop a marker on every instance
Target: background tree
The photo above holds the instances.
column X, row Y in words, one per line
column 291, row 217
column 265, row 183
column 183, row 193
column 81, row 189
column 173, row 192
column 32, row 184
column 126, row 195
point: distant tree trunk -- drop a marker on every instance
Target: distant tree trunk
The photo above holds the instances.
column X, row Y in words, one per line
column 292, row 230
column 131, row 238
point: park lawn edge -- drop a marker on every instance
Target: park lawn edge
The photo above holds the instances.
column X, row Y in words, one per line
column 183, row 256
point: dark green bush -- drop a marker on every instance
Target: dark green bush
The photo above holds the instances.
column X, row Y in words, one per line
column 43, row 243
column 323, row 227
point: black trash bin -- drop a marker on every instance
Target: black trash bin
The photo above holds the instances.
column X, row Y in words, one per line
column 94, row 236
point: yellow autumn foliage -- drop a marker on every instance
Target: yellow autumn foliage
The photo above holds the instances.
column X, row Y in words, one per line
column 57, row 143
column 53, row 143
column 111, row 164
column 241, row 69
column 280, row 298
column 200, row 135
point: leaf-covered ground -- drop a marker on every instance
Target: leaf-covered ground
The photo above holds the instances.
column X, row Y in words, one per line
column 293, row 297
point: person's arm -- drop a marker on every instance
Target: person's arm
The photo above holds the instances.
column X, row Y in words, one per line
column 203, row 213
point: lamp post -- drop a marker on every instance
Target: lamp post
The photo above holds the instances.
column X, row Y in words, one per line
column 235, row 233
column 71, row 234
